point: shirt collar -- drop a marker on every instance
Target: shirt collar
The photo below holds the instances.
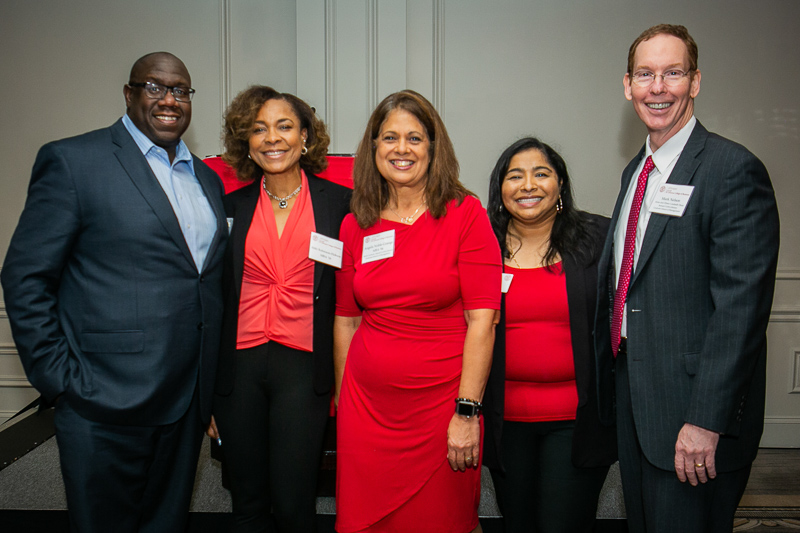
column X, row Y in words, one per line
column 182, row 152
column 671, row 149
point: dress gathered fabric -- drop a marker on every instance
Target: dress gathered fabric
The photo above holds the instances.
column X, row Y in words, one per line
column 404, row 368
column 540, row 366
column 277, row 298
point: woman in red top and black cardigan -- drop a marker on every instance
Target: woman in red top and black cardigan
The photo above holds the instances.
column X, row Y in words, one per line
column 545, row 446
column 275, row 369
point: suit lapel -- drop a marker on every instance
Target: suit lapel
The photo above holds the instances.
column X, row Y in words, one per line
column 140, row 173
column 322, row 219
column 682, row 174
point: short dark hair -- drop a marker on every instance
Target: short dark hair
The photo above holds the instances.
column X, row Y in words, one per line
column 571, row 233
column 370, row 190
column 676, row 30
column 240, row 117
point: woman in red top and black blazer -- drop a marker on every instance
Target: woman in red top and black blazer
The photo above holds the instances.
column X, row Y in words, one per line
column 272, row 398
column 547, row 474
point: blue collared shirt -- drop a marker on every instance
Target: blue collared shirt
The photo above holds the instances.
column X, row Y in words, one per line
column 179, row 182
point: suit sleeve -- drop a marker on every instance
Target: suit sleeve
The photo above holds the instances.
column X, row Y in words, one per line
column 39, row 250
column 743, row 249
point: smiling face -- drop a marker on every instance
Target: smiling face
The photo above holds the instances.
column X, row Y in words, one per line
column 402, row 150
column 277, row 139
column 162, row 121
column 531, row 189
column 663, row 109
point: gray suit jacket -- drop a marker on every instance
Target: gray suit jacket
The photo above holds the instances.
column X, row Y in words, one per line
column 106, row 304
column 698, row 306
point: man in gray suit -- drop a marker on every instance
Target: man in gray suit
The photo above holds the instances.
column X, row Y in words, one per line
column 686, row 284
column 113, row 289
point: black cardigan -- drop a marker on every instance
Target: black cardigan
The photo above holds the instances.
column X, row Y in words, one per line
column 593, row 444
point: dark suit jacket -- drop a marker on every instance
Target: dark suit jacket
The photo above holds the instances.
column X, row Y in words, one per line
column 331, row 203
column 593, row 444
column 698, row 306
column 105, row 302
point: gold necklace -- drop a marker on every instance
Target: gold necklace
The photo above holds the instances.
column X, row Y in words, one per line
column 410, row 218
column 512, row 256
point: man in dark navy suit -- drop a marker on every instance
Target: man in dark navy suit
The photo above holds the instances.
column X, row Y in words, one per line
column 686, row 283
column 112, row 286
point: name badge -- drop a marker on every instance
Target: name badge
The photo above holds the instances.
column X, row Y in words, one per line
column 672, row 199
column 506, row 283
column 378, row 246
column 325, row 250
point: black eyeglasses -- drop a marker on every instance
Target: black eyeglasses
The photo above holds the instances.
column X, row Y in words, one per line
column 157, row 91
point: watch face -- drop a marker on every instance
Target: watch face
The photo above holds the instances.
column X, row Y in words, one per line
column 466, row 409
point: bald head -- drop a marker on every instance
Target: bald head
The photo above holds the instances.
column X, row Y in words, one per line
column 143, row 65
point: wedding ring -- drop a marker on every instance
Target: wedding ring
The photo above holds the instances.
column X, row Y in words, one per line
column 699, row 465
column 468, row 459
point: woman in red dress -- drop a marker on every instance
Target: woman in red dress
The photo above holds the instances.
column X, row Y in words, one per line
column 417, row 301
column 545, row 446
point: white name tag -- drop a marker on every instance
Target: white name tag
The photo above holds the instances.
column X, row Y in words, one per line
column 325, row 250
column 506, row 283
column 672, row 199
column 378, row 246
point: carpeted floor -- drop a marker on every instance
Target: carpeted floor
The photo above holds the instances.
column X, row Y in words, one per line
column 32, row 496
column 771, row 502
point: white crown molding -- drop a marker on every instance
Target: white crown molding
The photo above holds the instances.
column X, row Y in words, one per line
column 438, row 56
column 330, row 65
column 794, row 385
column 789, row 273
column 372, row 56
column 14, row 382
column 8, row 348
column 224, row 53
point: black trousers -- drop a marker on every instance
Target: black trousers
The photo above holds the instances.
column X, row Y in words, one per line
column 126, row 479
column 272, row 426
column 541, row 491
column 655, row 499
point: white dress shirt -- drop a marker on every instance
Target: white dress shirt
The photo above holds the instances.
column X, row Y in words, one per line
column 664, row 160
column 180, row 184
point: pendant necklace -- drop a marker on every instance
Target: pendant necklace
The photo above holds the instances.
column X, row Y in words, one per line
column 513, row 256
column 283, row 203
column 410, row 218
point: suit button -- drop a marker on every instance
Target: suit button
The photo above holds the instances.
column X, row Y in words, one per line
column 200, row 326
column 202, row 279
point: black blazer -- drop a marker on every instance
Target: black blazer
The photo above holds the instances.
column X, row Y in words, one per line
column 331, row 202
column 105, row 301
column 593, row 444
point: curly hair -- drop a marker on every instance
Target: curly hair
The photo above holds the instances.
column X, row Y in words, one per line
column 370, row 190
column 571, row 233
column 240, row 117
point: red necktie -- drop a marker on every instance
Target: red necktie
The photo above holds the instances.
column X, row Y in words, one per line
column 627, row 255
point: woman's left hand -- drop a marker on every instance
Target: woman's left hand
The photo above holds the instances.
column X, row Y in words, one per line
column 463, row 442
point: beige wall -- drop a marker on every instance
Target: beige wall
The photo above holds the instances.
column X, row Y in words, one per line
column 496, row 70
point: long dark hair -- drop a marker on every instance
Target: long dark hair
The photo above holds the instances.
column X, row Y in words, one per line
column 572, row 230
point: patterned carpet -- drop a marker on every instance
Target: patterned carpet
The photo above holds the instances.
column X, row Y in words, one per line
column 771, row 502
